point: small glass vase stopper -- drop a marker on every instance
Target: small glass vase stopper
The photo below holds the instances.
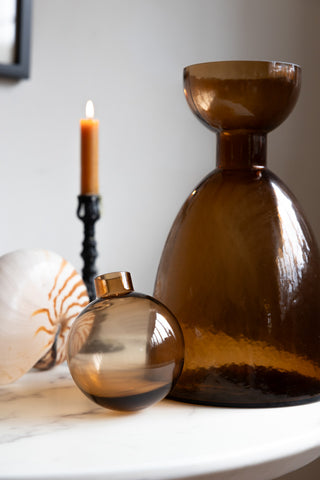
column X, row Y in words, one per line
column 126, row 349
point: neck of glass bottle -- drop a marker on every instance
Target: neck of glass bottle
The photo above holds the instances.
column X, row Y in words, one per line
column 241, row 150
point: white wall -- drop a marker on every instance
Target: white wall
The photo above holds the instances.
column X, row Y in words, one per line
column 128, row 56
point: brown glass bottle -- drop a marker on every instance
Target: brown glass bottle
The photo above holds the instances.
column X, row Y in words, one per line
column 240, row 269
column 125, row 350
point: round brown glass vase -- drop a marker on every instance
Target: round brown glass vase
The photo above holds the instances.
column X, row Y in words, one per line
column 125, row 350
column 240, row 268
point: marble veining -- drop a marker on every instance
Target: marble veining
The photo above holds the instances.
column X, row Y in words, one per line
column 47, row 402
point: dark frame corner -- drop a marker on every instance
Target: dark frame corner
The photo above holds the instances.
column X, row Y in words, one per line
column 20, row 68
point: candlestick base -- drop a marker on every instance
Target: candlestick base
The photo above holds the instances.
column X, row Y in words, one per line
column 89, row 213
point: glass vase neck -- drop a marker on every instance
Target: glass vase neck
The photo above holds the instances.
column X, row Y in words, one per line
column 238, row 150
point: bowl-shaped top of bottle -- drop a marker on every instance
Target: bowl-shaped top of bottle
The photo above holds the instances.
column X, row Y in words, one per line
column 242, row 95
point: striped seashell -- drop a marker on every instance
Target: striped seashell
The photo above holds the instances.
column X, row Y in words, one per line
column 41, row 294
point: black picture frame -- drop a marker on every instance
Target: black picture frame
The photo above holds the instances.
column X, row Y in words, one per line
column 20, row 67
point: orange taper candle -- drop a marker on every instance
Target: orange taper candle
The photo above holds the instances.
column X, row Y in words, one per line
column 89, row 152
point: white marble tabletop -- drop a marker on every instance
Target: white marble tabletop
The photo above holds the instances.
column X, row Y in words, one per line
column 49, row 430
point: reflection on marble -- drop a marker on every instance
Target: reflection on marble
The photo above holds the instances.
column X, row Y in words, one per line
column 49, row 430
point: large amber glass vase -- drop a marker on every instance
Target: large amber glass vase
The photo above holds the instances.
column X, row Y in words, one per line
column 240, row 269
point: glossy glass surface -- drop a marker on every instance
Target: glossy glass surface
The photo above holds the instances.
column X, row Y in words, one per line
column 125, row 351
column 240, row 269
column 242, row 95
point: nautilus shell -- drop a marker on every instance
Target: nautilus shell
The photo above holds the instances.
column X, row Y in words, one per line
column 41, row 294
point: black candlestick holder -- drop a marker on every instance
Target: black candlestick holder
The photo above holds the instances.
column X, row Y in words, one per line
column 89, row 212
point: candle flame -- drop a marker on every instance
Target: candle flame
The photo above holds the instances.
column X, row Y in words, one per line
column 89, row 109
